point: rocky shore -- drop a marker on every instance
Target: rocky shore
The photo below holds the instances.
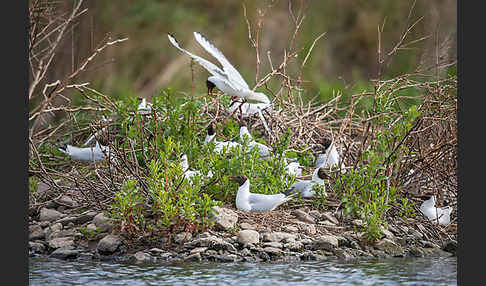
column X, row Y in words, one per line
column 60, row 231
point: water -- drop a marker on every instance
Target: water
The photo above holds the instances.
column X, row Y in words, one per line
column 394, row 271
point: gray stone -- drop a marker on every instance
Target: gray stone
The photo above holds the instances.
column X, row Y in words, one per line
column 389, row 247
column 198, row 250
column 309, row 229
column 273, row 244
column 49, row 215
column 77, row 219
column 61, row 242
column 416, row 252
column 291, row 228
column 103, row 222
column 342, row 253
column 303, row 216
column 294, row 245
column 142, row 257
column 279, row 236
column 245, row 225
column 91, row 226
column 325, row 242
column 194, row 257
column 66, row 201
column 182, row 236
column 450, row 246
column 60, row 233
column 248, row 236
column 36, row 232
column 212, row 242
column 108, row 244
column 273, row 251
column 65, row 253
column 330, row 218
column 224, row 219
column 37, row 247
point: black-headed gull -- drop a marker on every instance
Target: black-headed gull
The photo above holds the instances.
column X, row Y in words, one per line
column 143, row 106
column 263, row 150
column 188, row 174
column 292, row 168
column 86, row 154
column 305, row 187
column 218, row 145
column 256, row 202
column 432, row 213
column 330, row 157
column 228, row 79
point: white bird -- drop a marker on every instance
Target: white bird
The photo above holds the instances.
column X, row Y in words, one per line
column 305, row 187
column 256, row 202
column 263, row 150
column 188, row 174
column 143, row 106
column 247, row 108
column 228, row 80
column 86, row 154
column 218, row 145
column 432, row 213
column 292, row 168
column 330, row 157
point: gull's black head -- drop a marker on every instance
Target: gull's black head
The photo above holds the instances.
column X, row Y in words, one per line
column 139, row 98
column 322, row 174
column 241, row 179
column 63, row 146
column 211, row 129
column 326, row 142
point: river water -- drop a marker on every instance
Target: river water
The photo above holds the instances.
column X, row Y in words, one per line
column 392, row 271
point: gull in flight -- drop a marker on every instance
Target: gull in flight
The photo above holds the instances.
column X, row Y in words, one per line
column 256, row 202
column 228, row 79
column 86, row 154
column 218, row 145
column 262, row 149
column 143, row 106
column 330, row 157
column 304, row 187
column 443, row 214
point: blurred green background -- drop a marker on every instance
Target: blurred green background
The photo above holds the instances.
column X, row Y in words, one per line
column 344, row 59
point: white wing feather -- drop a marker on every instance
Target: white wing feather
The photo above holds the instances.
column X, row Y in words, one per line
column 231, row 72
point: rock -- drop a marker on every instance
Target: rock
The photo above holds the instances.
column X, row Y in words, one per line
column 198, row 250
column 78, row 219
column 182, row 236
column 60, row 233
column 66, row 201
column 65, row 253
column 36, row 232
column 315, row 213
column 108, row 244
column 61, row 242
column 156, row 251
column 273, row 244
column 245, row 225
column 342, row 253
column 211, row 242
column 294, row 245
column 279, row 236
column 309, row 229
column 194, row 257
column 303, row 216
column 291, row 228
column 388, row 234
column 357, row 222
column 91, row 226
column 416, row 252
column 224, row 219
column 273, row 251
column 450, row 246
column 389, row 247
column 142, row 257
column 248, row 236
column 49, row 215
column 325, row 242
column 330, row 217
column 37, row 247
column 103, row 222
column 436, row 252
